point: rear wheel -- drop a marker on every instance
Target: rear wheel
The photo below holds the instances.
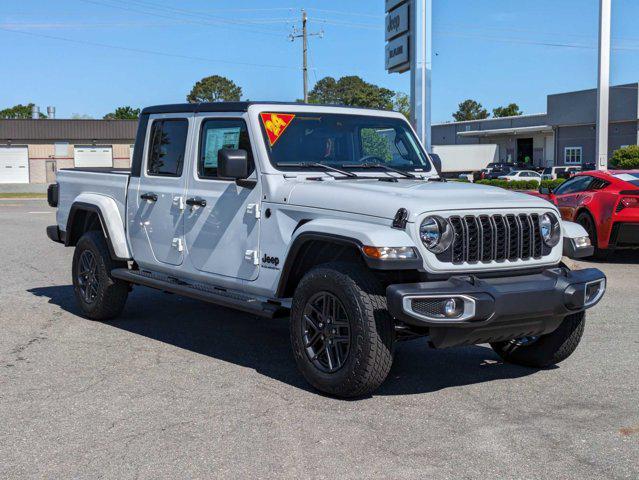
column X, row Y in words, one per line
column 544, row 350
column 100, row 296
column 585, row 220
column 341, row 332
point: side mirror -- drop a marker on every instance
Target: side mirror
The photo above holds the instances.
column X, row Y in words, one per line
column 545, row 190
column 437, row 162
column 232, row 163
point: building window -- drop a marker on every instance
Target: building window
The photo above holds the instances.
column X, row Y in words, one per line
column 572, row 155
column 61, row 149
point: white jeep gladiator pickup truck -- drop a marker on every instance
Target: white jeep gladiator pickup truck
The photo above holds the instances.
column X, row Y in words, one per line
column 335, row 217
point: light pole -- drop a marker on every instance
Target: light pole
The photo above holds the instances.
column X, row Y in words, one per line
column 421, row 42
column 603, row 85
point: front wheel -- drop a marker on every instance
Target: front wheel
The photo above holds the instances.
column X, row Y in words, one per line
column 544, row 350
column 341, row 332
column 100, row 296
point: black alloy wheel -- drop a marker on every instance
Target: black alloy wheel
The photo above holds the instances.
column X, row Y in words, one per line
column 87, row 277
column 326, row 332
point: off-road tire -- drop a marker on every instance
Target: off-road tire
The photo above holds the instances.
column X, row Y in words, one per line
column 111, row 293
column 585, row 220
column 371, row 329
column 548, row 349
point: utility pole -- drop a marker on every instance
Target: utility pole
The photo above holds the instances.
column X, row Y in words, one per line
column 304, row 36
column 603, row 85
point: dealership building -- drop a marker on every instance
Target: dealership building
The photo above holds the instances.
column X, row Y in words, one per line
column 32, row 151
column 564, row 135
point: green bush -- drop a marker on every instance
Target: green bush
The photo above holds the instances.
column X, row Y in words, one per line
column 626, row 158
column 522, row 184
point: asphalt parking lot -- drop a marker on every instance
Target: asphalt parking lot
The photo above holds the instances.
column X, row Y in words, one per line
column 182, row 389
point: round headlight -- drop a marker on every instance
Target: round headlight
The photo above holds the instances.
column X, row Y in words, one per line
column 436, row 234
column 550, row 229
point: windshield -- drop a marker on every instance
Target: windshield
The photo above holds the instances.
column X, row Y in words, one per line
column 341, row 141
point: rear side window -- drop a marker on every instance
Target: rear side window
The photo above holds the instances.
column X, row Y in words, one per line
column 574, row 185
column 168, row 143
column 216, row 135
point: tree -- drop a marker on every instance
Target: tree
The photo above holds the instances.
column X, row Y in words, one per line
column 19, row 111
column 511, row 110
column 81, row 116
column 470, row 110
column 214, row 89
column 401, row 104
column 626, row 158
column 351, row 91
column 123, row 113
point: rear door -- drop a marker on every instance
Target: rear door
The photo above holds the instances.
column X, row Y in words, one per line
column 222, row 222
column 156, row 214
column 569, row 194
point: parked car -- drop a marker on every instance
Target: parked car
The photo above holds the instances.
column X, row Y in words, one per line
column 499, row 170
column 521, row 175
column 288, row 210
column 553, row 173
column 605, row 203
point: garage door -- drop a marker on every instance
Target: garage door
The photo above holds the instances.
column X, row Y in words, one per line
column 14, row 165
column 93, row 156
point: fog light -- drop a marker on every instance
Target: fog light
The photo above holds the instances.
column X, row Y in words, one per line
column 440, row 308
column 452, row 309
column 594, row 291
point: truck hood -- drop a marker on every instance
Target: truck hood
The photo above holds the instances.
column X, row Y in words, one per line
column 383, row 199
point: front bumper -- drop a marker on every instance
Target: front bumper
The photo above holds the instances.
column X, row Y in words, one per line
column 496, row 309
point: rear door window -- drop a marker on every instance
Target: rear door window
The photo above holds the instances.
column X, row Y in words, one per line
column 167, row 147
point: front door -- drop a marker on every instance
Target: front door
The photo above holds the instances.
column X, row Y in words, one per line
column 156, row 204
column 569, row 195
column 222, row 220
column 525, row 151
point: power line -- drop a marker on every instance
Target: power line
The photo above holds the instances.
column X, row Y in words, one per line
column 219, row 24
column 140, row 50
column 353, row 14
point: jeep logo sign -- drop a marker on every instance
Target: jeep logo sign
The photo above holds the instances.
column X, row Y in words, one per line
column 397, row 22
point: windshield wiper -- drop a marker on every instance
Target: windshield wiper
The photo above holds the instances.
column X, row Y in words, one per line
column 379, row 165
column 318, row 165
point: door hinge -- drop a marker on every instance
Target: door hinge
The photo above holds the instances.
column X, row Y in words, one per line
column 254, row 208
column 252, row 256
column 178, row 244
column 179, row 202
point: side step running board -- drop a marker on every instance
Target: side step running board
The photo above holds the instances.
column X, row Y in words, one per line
column 202, row 292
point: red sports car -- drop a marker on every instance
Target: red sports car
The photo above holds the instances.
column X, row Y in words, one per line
column 605, row 203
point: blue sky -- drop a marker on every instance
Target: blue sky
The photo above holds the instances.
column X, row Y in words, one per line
column 496, row 51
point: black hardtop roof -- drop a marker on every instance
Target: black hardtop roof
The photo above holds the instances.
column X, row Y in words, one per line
column 229, row 107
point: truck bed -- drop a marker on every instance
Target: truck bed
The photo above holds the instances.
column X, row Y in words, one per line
column 76, row 183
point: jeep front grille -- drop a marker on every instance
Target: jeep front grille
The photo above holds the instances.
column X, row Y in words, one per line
column 487, row 238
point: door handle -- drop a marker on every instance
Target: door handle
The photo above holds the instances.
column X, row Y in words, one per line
column 152, row 197
column 199, row 202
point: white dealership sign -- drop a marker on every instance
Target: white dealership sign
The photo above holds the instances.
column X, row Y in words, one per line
column 397, row 54
column 409, row 36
